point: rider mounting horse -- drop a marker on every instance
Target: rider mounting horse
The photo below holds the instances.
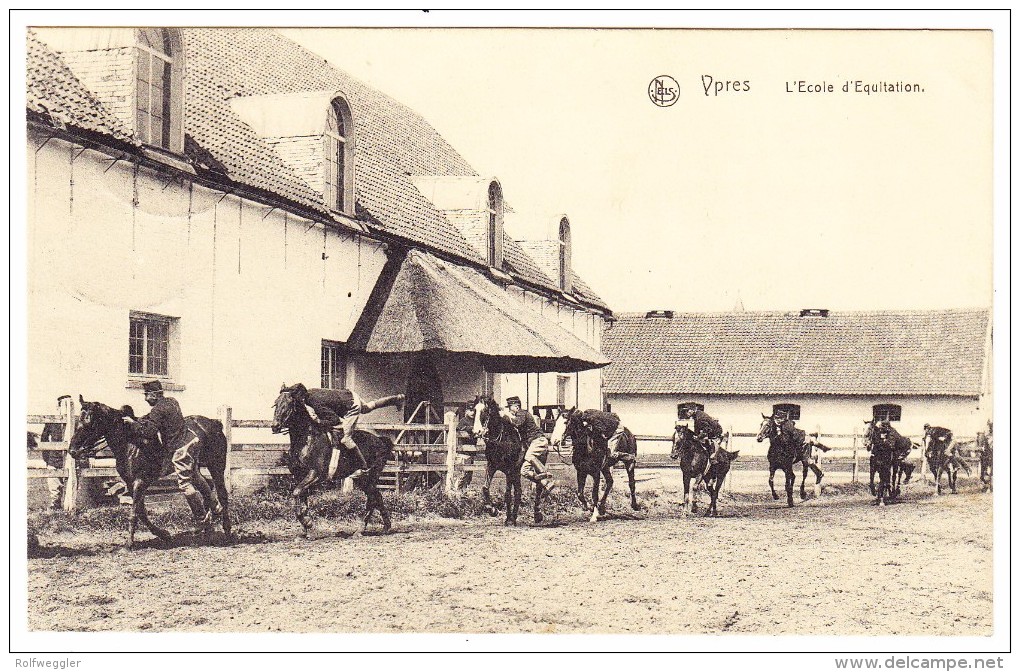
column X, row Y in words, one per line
column 940, row 453
column 311, row 452
column 696, row 463
column 592, row 457
column 142, row 459
column 788, row 446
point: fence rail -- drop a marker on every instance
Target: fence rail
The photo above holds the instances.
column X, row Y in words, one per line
column 418, row 447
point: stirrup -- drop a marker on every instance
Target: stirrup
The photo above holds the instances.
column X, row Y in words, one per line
column 358, row 473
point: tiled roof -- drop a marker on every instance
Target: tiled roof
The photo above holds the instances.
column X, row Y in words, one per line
column 53, row 90
column 889, row 353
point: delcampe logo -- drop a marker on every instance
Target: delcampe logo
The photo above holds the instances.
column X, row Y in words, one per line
column 663, row 90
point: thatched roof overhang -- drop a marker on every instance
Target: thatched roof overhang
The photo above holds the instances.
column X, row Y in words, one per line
column 422, row 303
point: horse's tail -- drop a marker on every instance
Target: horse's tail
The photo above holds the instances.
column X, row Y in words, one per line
column 394, row 400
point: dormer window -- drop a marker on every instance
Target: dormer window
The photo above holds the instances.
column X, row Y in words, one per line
column 159, row 95
column 565, row 278
column 339, row 140
column 495, row 228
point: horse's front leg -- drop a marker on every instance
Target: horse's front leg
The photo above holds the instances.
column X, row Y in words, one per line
column 608, row 477
column 300, row 495
column 515, row 500
column 631, row 468
column 139, row 512
column 490, row 473
column 596, row 478
column 790, row 478
column 539, row 492
column 772, row 479
column 508, row 496
column 582, row 479
column 803, row 481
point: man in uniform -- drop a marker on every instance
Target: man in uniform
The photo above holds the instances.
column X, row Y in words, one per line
column 167, row 419
column 537, row 444
column 608, row 426
column 944, row 439
column 340, row 410
column 707, row 431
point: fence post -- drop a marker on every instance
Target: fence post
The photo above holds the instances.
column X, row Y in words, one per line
column 227, row 418
column 72, row 489
column 728, row 480
column 451, row 454
column 854, row 478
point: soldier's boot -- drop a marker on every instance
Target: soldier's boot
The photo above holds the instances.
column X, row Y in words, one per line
column 201, row 518
column 362, row 468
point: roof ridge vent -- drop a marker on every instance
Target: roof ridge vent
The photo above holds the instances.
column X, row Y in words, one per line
column 668, row 314
column 814, row 312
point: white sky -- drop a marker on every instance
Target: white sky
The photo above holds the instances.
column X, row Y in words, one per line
column 783, row 200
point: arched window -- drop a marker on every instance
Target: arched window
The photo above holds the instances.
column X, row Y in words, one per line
column 159, row 72
column 338, row 190
column 565, row 273
column 886, row 412
column 791, row 411
column 495, row 228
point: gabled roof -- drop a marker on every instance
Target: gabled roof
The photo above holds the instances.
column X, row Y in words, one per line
column 56, row 94
column 392, row 141
column 938, row 352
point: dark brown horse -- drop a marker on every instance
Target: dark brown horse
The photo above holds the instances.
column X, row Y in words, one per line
column 889, row 452
column 696, row 465
column 503, row 452
column 984, row 444
column 940, row 453
column 788, row 446
column 591, row 458
column 311, row 452
column 142, row 460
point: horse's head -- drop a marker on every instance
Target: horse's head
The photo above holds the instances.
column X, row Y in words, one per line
column 769, row 428
column 94, row 421
column 682, row 436
column 872, row 435
column 566, row 424
column 485, row 411
column 291, row 400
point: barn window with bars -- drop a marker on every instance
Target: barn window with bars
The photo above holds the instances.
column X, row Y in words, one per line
column 791, row 411
column 886, row 412
column 334, row 366
column 149, row 345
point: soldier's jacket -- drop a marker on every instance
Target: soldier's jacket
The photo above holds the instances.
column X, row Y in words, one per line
column 526, row 425
column 330, row 405
column 166, row 418
column 603, row 422
column 707, row 425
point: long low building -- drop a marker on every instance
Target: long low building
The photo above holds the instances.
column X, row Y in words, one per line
column 829, row 370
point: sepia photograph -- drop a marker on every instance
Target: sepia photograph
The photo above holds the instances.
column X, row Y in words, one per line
column 675, row 330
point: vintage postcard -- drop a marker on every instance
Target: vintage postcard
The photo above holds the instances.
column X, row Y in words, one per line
column 422, row 324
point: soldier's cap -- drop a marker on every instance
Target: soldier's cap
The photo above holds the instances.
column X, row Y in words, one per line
column 152, row 386
column 510, row 401
column 927, row 426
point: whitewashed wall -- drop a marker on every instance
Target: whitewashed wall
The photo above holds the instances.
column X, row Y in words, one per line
column 254, row 291
column 656, row 414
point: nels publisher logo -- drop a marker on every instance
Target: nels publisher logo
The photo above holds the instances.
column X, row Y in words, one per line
column 663, row 90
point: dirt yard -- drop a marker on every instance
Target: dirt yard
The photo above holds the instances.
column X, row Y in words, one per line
column 834, row 565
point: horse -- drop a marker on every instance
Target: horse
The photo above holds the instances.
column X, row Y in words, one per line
column 695, row 464
column 984, row 444
column 504, row 452
column 142, row 459
column 885, row 459
column 939, row 454
column 901, row 447
column 788, row 446
column 311, row 452
column 591, row 458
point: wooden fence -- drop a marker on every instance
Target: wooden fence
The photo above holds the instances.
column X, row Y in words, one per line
column 423, row 451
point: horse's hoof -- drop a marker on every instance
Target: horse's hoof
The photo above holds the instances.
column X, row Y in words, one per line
column 635, row 506
column 594, row 518
column 775, row 496
column 789, row 505
column 539, row 518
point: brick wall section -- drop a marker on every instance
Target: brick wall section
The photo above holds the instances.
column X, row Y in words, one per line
column 109, row 75
column 305, row 155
